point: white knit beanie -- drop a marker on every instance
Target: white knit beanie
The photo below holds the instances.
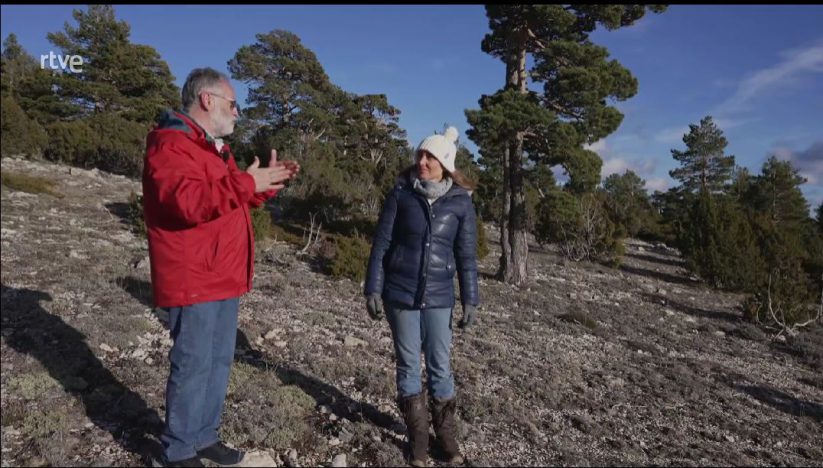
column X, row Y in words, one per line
column 442, row 147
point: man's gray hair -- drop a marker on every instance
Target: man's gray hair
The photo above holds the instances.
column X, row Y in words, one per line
column 198, row 80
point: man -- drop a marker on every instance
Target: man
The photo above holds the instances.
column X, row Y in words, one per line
column 201, row 246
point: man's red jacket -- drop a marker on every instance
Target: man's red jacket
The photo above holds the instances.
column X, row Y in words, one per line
column 196, row 208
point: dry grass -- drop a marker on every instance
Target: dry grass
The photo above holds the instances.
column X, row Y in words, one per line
column 29, row 184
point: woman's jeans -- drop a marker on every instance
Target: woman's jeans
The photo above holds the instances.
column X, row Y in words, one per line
column 204, row 336
column 428, row 330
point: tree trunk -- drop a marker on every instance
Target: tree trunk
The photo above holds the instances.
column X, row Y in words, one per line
column 506, row 251
column 518, row 272
column 504, row 270
column 515, row 271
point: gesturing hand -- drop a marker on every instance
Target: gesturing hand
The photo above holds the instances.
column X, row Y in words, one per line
column 272, row 177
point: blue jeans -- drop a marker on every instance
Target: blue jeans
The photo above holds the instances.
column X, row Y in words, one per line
column 200, row 360
column 429, row 331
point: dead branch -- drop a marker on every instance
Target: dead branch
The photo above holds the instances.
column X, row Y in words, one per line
column 309, row 241
column 781, row 322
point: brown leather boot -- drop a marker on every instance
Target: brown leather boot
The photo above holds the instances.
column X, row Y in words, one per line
column 446, row 428
column 417, row 423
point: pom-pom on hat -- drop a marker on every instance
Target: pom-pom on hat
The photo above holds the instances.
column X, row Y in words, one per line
column 442, row 147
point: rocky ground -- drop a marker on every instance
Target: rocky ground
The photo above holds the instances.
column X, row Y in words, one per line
column 587, row 365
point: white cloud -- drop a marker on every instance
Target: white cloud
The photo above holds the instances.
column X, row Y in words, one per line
column 613, row 166
column 657, row 183
column 727, row 123
column 784, row 154
column 671, row 134
column 794, row 63
column 598, row 146
column 645, row 166
column 616, row 163
column 809, row 162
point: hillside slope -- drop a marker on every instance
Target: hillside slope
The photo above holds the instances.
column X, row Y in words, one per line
column 586, row 366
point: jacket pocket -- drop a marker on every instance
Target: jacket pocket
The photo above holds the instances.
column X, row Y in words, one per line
column 451, row 267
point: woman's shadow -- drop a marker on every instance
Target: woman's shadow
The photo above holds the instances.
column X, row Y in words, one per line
column 62, row 350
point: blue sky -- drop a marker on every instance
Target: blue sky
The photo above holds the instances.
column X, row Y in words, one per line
column 758, row 70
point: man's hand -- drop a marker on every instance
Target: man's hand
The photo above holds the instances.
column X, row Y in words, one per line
column 469, row 312
column 272, row 177
column 292, row 166
column 374, row 306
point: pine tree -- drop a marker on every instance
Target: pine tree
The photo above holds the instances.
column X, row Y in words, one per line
column 118, row 77
column 551, row 127
column 288, row 87
column 350, row 146
column 31, row 87
column 776, row 194
column 17, row 67
column 627, row 201
column 704, row 166
column 740, row 185
column 785, row 232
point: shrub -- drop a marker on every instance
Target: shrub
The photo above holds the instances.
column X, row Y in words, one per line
column 135, row 214
column 20, row 135
column 283, row 233
column 351, row 257
column 107, row 142
column 261, row 223
column 718, row 244
column 787, row 298
column 580, row 225
column 482, row 244
column 72, row 143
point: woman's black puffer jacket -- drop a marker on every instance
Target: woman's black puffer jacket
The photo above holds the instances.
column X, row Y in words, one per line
column 417, row 249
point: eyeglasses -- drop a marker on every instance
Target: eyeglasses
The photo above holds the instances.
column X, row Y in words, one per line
column 232, row 103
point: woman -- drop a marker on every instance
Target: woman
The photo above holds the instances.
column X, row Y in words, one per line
column 425, row 234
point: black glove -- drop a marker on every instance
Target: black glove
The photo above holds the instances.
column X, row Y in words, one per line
column 375, row 306
column 468, row 316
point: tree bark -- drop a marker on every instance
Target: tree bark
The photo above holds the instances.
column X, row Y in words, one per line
column 515, row 271
column 505, row 246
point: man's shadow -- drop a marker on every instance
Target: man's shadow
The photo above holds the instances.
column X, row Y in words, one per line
column 783, row 401
column 322, row 393
column 30, row 329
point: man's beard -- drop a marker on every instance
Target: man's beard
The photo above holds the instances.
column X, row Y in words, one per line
column 223, row 127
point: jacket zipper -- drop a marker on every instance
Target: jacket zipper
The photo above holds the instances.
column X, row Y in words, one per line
column 421, row 294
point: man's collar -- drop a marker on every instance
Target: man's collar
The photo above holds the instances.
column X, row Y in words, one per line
column 208, row 136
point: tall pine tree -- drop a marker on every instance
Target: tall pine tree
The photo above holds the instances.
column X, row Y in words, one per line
column 349, row 146
column 118, row 77
column 517, row 124
column 704, row 166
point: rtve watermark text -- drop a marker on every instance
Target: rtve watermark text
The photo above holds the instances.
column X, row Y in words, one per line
column 73, row 63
